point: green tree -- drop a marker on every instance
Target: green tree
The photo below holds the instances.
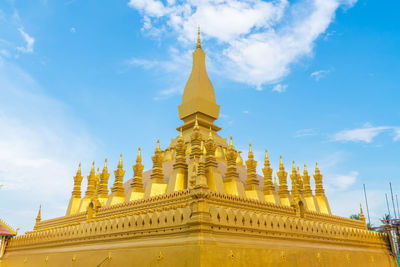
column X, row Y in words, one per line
column 386, row 219
column 355, row 216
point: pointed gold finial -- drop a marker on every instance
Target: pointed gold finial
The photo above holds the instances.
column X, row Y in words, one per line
column 38, row 217
column 92, row 167
column 230, row 142
column 196, row 124
column 275, row 182
column 181, row 134
column 139, row 157
column 362, row 217
column 305, row 168
column 198, row 38
column 294, row 167
column 79, row 168
column 316, row 168
column 105, row 165
column 250, row 147
column 120, row 165
column 158, row 144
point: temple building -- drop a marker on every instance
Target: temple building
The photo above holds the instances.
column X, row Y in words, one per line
column 201, row 204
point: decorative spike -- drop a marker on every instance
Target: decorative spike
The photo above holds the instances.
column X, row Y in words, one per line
column 210, row 134
column 250, row 147
column 266, row 159
column 294, row 168
column 120, row 165
column 281, row 167
column 275, row 182
column 38, row 217
column 105, row 165
column 305, row 169
column 198, row 37
column 79, row 168
column 158, row 145
column 230, row 142
column 362, row 217
column 92, row 167
column 196, row 124
column 181, row 134
column 139, row 156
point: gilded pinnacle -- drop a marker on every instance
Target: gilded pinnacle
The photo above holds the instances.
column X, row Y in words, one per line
column 281, row 167
column 120, row 165
column 92, row 168
column 230, row 142
column 196, row 124
column 158, row 145
column 39, row 216
column 139, row 156
column 198, row 38
column 105, row 165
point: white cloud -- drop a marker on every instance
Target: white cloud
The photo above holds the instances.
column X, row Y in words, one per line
column 257, row 41
column 343, row 181
column 365, row 134
column 280, row 88
column 28, row 48
column 72, row 30
column 396, row 134
column 145, row 63
column 305, row 132
column 151, row 7
column 317, row 75
column 40, row 147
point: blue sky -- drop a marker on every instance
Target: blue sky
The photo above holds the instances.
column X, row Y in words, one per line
column 313, row 80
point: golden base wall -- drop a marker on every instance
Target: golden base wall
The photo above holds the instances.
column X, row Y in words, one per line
column 200, row 228
column 202, row 250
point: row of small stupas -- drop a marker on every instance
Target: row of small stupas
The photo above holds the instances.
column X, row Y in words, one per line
column 203, row 155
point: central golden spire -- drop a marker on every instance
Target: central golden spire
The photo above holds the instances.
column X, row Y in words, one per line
column 198, row 98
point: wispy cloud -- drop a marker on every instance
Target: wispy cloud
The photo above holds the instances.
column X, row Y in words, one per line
column 343, row 181
column 305, row 132
column 280, row 88
column 396, row 134
column 29, row 42
column 365, row 134
column 145, row 63
column 317, row 75
column 279, row 32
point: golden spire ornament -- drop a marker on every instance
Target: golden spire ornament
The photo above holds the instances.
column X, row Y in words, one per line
column 38, row 217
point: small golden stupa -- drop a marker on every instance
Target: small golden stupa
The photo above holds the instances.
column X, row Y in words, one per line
column 201, row 204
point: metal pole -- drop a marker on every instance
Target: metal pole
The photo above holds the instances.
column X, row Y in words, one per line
column 394, row 209
column 366, row 204
column 387, row 203
column 397, row 201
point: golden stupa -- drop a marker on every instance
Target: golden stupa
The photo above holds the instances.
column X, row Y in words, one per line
column 199, row 205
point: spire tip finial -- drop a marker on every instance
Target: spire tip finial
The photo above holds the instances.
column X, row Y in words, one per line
column 198, row 37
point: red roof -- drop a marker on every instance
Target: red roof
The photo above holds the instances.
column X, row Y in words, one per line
column 4, row 231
